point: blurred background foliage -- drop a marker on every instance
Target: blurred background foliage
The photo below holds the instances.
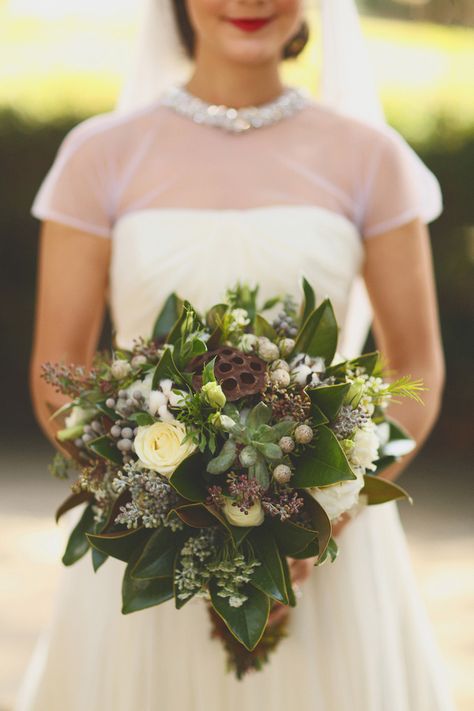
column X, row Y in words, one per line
column 60, row 64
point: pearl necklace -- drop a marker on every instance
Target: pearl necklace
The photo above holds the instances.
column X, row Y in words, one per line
column 237, row 120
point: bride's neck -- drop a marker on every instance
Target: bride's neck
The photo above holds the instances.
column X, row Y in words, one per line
column 234, row 84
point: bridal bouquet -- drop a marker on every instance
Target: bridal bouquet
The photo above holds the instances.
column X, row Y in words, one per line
column 210, row 453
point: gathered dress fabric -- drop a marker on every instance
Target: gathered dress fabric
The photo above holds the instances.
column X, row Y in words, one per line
column 193, row 209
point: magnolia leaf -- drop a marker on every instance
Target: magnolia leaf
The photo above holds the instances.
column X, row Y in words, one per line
column 263, row 328
column 288, row 583
column 142, row 418
column 318, row 336
column 105, row 448
column 195, row 515
column 329, row 398
column 309, row 302
column 140, row 594
column 78, row 545
column 268, row 577
column 166, row 368
column 120, row 544
column 98, row 559
column 157, row 557
column 187, row 479
column 167, row 317
column 247, row 622
column 323, row 464
column 379, row 490
column 215, row 315
column 291, row 537
column 72, row 501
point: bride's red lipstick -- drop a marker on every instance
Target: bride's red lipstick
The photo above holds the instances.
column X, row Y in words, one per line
column 250, row 24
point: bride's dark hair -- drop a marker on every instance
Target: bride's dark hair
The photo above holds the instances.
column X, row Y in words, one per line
column 291, row 49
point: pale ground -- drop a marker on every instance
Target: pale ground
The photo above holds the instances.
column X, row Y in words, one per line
column 440, row 537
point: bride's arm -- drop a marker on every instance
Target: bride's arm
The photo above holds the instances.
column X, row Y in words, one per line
column 399, row 276
column 71, row 287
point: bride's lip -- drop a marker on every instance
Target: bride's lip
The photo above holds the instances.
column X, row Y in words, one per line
column 249, row 24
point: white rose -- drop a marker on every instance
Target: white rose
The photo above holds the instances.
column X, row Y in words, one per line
column 365, row 449
column 254, row 517
column 160, row 446
column 339, row 498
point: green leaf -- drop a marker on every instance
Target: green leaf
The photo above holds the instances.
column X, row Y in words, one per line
column 263, row 328
column 318, row 336
column 317, row 416
column 195, row 515
column 330, row 553
column 107, row 411
column 140, row 594
column 283, row 428
column 259, row 471
column 261, row 414
column 120, row 544
column 269, row 450
column 288, row 583
column 208, row 375
column 367, row 361
column 383, row 463
column 319, row 522
column 215, row 315
column 309, row 301
column 78, row 545
column 329, row 398
column 379, row 490
column 142, row 418
column 105, row 448
column 268, row 577
column 291, row 537
column 187, row 479
column 167, row 317
column 72, row 501
column 98, row 559
column 246, row 623
column 166, row 368
column 157, row 557
column 323, row 464
column 224, row 459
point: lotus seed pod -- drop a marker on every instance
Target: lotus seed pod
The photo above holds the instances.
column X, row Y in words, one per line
column 138, row 360
column 248, row 456
column 124, row 445
column 287, row 444
column 303, row 434
column 110, row 402
column 282, row 474
column 280, row 377
column 120, row 368
column 127, row 432
column 267, row 350
column 115, row 431
column 280, row 364
column 286, row 346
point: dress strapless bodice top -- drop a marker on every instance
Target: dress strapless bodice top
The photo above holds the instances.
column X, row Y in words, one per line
column 199, row 253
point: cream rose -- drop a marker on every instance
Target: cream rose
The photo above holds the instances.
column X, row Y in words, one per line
column 366, row 447
column 341, row 497
column 254, row 517
column 160, row 446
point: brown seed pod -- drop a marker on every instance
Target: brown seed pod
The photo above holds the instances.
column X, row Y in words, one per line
column 239, row 374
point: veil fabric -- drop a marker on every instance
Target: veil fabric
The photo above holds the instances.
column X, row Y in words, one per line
column 347, row 85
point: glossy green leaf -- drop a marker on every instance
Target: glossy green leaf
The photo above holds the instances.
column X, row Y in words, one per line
column 98, row 559
column 263, row 328
column 140, row 594
column 215, row 315
column 105, row 448
column 366, row 360
column 319, row 522
column 318, row 337
column 247, row 623
column 157, row 557
column 288, row 583
column 291, row 537
column 166, row 368
column 188, row 480
column 120, row 544
column 317, row 416
column 329, row 398
column 167, row 317
column 195, row 515
column 379, row 490
column 72, row 501
column 268, row 577
column 142, row 418
column 323, row 464
column 78, row 545
column 309, row 301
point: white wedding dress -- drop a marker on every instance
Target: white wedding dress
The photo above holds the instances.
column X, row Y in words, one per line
column 192, row 209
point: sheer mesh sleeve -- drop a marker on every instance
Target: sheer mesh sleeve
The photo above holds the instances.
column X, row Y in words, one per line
column 399, row 187
column 76, row 189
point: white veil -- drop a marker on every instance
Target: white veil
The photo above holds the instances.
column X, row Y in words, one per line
column 347, row 85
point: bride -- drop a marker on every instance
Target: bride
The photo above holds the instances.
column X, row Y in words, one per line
column 212, row 171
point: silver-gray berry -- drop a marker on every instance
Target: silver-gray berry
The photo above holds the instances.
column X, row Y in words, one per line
column 287, row 444
column 282, row 474
column 124, row 445
column 110, row 402
column 115, row 431
column 303, row 434
column 127, row 432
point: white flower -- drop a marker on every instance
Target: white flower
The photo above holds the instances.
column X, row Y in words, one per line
column 248, row 342
column 365, row 447
column 305, row 369
column 120, row 368
column 339, row 498
column 213, row 394
column 240, row 317
column 175, row 399
column 254, row 517
column 160, row 446
column 78, row 416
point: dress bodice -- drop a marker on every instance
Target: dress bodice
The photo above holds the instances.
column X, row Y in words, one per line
column 199, row 253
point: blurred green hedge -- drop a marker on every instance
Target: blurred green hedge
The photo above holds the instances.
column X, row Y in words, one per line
column 27, row 150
